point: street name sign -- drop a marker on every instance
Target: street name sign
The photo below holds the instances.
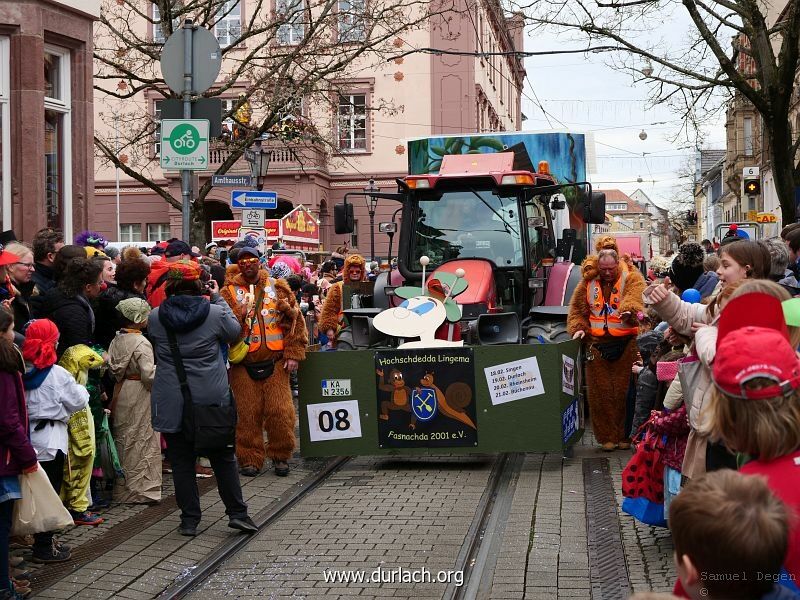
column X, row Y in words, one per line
column 253, row 217
column 253, row 199
column 231, row 180
column 184, row 144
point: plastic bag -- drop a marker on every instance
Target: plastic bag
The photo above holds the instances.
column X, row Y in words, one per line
column 641, row 509
column 107, row 452
column 40, row 508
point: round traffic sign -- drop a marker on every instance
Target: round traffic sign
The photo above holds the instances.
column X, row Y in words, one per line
column 206, row 60
column 185, row 139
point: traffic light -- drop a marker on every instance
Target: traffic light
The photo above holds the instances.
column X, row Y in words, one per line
column 752, row 187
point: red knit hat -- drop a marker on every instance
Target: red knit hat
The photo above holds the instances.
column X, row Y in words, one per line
column 7, row 258
column 39, row 347
column 756, row 352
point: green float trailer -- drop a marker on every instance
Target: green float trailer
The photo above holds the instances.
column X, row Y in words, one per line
column 340, row 404
column 515, row 383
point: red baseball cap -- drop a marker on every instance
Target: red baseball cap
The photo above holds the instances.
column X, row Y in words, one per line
column 752, row 352
column 751, row 310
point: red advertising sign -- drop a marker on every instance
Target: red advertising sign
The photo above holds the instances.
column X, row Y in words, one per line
column 273, row 228
column 225, row 230
column 300, row 226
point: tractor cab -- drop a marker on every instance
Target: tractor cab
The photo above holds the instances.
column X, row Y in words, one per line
column 496, row 223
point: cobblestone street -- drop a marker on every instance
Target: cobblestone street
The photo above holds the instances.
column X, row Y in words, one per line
column 378, row 513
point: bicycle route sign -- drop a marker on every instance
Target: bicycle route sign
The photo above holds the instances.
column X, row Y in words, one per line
column 184, row 144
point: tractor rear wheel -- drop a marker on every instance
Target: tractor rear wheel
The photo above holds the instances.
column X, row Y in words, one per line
column 550, row 332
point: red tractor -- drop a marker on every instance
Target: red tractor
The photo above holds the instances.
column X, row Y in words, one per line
column 497, row 224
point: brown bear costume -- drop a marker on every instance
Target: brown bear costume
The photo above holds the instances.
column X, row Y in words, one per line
column 266, row 404
column 331, row 317
column 607, row 380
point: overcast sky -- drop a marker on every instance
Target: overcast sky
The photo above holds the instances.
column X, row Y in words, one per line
column 583, row 94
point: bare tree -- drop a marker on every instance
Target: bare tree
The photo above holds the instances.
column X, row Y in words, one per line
column 282, row 53
column 729, row 47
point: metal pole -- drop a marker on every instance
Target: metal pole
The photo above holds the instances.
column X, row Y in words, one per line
column 372, row 232
column 186, row 175
column 116, row 129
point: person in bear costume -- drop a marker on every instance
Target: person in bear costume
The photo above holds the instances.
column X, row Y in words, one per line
column 604, row 313
column 275, row 333
column 332, row 316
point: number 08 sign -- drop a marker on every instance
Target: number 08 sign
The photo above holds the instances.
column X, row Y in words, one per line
column 333, row 421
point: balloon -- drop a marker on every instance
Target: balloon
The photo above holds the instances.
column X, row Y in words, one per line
column 791, row 311
column 692, row 296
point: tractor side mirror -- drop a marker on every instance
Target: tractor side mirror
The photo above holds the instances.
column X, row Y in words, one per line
column 594, row 211
column 343, row 219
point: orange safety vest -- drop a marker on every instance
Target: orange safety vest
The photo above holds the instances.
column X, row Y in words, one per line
column 263, row 323
column 604, row 316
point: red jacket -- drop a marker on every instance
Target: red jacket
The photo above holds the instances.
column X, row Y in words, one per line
column 783, row 477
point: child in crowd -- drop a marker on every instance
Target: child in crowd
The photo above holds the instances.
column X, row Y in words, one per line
column 730, row 536
column 755, row 410
column 53, row 396
column 646, row 383
column 14, row 445
column 78, row 360
column 684, row 318
column 132, row 366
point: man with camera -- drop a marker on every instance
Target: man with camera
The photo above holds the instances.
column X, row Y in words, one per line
column 273, row 341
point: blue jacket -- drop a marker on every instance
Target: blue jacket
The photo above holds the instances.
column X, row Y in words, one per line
column 201, row 327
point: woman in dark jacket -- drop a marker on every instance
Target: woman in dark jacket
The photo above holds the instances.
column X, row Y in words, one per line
column 68, row 305
column 131, row 280
column 14, row 442
column 201, row 329
column 21, row 275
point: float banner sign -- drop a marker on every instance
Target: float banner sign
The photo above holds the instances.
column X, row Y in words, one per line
column 300, row 226
column 567, row 375
column 273, row 228
column 426, row 398
column 225, row 230
column 533, row 424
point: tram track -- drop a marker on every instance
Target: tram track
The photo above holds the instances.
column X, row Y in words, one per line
column 483, row 542
column 207, row 567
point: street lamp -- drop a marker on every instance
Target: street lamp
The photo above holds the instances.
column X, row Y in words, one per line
column 259, row 163
column 372, row 202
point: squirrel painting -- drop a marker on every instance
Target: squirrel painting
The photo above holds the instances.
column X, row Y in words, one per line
column 453, row 401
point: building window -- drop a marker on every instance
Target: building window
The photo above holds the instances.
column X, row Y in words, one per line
column 5, row 135
column 156, row 232
column 291, row 13
column 157, row 132
column 748, row 136
column 159, row 35
column 352, row 122
column 617, row 206
column 354, row 235
column 351, row 24
column 130, row 232
column 228, row 27
column 57, row 138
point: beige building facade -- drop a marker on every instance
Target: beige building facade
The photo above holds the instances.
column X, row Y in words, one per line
column 46, row 115
column 378, row 107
